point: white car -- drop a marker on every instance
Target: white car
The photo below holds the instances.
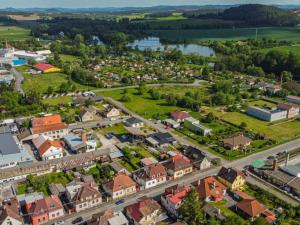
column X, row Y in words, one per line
column 59, row 222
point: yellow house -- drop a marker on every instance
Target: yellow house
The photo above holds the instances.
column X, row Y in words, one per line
column 233, row 179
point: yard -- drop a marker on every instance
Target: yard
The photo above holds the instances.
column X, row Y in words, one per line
column 13, row 33
column 58, row 101
column 263, row 104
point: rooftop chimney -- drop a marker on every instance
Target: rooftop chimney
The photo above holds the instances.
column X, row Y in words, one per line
column 83, row 137
column 274, row 164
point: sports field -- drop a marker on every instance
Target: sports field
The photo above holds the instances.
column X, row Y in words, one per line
column 13, row 33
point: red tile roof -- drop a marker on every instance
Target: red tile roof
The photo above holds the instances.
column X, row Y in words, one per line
column 46, row 205
column 178, row 162
column 48, row 144
column 47, row 123
column 237, row 140
column 44, row 66
column 84, row 193
column 179, row 115
column 152, row 171
column 176, row 193
column 11, row 210
column 120, row 182
column 210, row 187
column 142, row 209
column 251, row 207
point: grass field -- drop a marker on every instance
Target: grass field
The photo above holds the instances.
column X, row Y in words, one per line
column 174, row 16
column 294, row 49
column 291, row 34
column 144, row 105
column 280, row 131
column 262, row 104
column 58, row 101
column 13, row 33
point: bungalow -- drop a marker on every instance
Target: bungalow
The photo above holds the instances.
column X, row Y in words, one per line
column 151, row 176
column 134, row 122
column 51, row 126
column 111, row 112
column 211, row 190
column 160, row 139
column 10, row 214
column 47, row 148
column 173, row 196
column 45, row 209
column 293, row 99
column 178, row 166
column 198, row 158
column 120, row 186
column 292, row 109
column 238, row 141
column 172, row 123
column 144, row 212
column 195, row 126
column 179, row 116
column 46, row 68
column 231, row 178
column 80, row 144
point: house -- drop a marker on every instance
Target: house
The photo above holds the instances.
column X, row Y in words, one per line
column 46, row 68
column 250, row 208
column 111, row 112
column 151, row 176
column 273, row 88
column 292, row 109
column 118, row 167
column 134, row 122
column 195, row 126
column 179, row 116
column 108, row 217
column 172, row 123
column 293, row 99
column 231, row 178
column 210, row 189
column 88, row 114
column 144, row 212
column 172, row 198
column 82, row 143
column 51, row 126
column 160, row 139
column 178, row 166
column 12, row 154
column 45, row 209
column 198, row 158
column 238, row 141
column 120, row 186
column 10, row 214
column 148, row 161
column 266, row 115
column 86, row 197
column 57, row 189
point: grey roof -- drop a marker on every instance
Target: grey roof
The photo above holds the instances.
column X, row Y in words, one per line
column 162, row 138
column 8, row 145
column 133, row 120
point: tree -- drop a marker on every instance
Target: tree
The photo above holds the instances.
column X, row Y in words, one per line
column 243, row 125
column 125, row 98
column 210, row 117
column 141, row 88
column 50, row 90
column 79, row 39
column 260, row 221
column 286, row 76
column 191, row 209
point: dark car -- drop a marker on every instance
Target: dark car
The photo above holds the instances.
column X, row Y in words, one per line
column 120, row 202
column 77, row 220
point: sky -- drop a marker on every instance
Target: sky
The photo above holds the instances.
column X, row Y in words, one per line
column 127, row 3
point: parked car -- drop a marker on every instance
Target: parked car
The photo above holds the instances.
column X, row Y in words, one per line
column 120, row 202
column 77, row 220
column 59, row 222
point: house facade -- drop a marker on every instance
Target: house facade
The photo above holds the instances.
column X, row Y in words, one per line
column 237, row 141
column 111, row 112
column 195, row 126
column 293, row 99
column 231, row 178
column 267, row 115
column 178, row 166
column 151, row 176
column 211, row 190
column 292, row 109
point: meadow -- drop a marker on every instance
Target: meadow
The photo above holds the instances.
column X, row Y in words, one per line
column 13, row 33
column 294, row 49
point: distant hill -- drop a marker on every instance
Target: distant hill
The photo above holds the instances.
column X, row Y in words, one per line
column 261, row 15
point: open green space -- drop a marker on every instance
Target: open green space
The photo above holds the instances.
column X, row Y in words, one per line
column 58, row 101
column 294, row 49
column 278, row 33
column 174, row 16
column 263, row 104
column 13, row 33
column 117, row 129
column 69, row 58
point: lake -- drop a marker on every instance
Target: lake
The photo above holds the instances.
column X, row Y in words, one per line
column 154, row 44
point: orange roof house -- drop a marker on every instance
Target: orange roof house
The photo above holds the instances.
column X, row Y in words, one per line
column 238, row 141
column 46, row 68
column 51, row 126
column 210, row 189
column 250, row 208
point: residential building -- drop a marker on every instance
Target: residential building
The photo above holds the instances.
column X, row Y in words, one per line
column 178, row 166
column 198, row 158
column 273, row 88
column 179, row 116
column 47, row 148
column 10, row 214
column 51, row 126
column 293, row 170
column 144, row 212
column 292, row 109
column 160, row 139
column 86, row 197
column 88, row 114
column 232, row 178
column 267, row 115
column 111, row 112
column 172, row 198
column 120, row 186
column 108, row 217
column 134, row 122
column 45, row 209
column 151, row 176
column 195, row 126
column 172, row 123
column 26, row 55
column 11, row 152
column 210, row 189
column 46, row 68
column 293, row 99
column 237, row 141
column 250, row 208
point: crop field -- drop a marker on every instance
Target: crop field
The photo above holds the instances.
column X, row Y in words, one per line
column 13, row 33
column 291, row 34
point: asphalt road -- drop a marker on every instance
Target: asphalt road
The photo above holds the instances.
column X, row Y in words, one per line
column 19, row 79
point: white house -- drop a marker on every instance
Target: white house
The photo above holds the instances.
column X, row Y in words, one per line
column 48, row 148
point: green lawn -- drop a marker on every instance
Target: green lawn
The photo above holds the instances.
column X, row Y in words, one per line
column 13, row 33
column 283, row 33
column 69, row 58
column 118, row 129
column 174, row 16
column 58, row 101
column 263, row 104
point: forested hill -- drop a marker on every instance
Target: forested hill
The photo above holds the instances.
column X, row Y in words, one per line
column 261, row 15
